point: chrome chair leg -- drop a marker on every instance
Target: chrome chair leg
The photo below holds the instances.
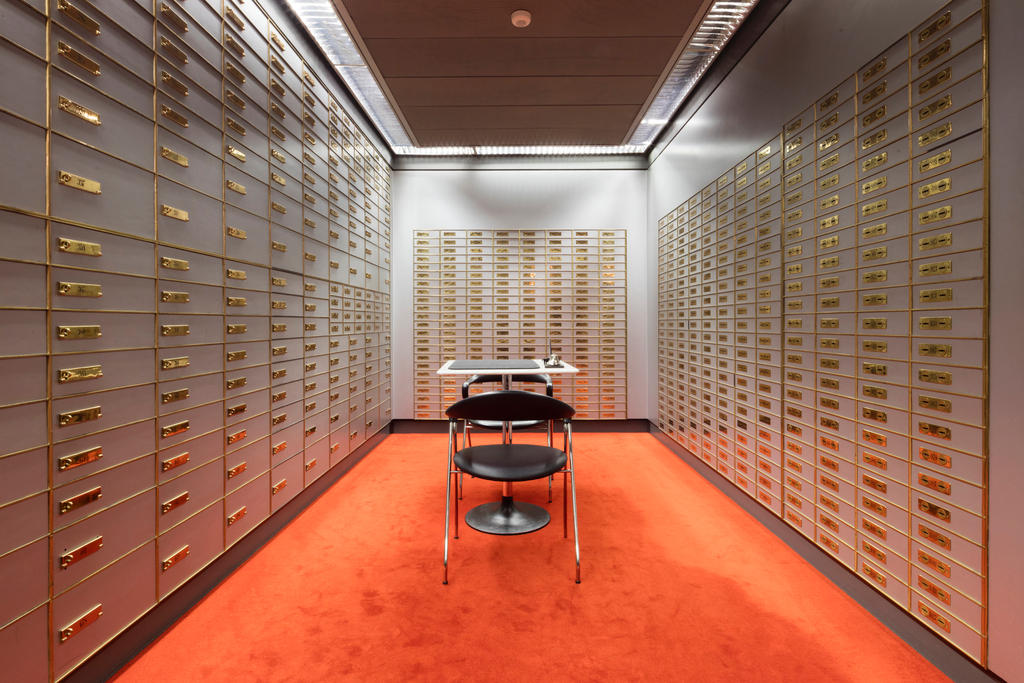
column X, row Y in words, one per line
column 550, row 476
column 575, row 524
column 448, row 497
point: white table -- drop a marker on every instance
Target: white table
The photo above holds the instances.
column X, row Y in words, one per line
column 507, row 517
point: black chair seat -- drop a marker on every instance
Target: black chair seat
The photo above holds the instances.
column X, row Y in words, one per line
column 497, row 424
column 510, row 462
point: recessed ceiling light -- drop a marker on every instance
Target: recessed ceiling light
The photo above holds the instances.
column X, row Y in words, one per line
column 521, row 18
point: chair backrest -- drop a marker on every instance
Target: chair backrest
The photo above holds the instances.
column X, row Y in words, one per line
column 510, row 405
column 484, row 379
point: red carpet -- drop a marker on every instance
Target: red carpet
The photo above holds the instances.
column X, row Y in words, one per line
column 678, row 584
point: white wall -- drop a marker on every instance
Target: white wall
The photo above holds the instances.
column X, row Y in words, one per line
column 507, row 199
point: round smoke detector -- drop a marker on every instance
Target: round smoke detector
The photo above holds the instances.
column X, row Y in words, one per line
column 521, row 18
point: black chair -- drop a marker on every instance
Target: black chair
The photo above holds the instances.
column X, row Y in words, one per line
column 507, row 463
column 506, row 428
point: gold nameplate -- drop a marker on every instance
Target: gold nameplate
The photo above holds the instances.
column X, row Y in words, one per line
column 279, row 396
column 875, row 276
column 70, row 246
column 72, row 556
column 235, row 152
column 878, row 369
column 174, row 330
column 875, row 323
column 828, row 202
column 939, row 404
column 874, row 139
column 935, row 351
column 75, row 417
column 237, row 301
column 237, row 355
column 78, row 16
column 874, row 253
column 277, row 207
column 875, row 299
column 77, row 58
column 936, row 323
column 235, row 274
column 75, row 502
column 830, row 222
column 935, row 215
column 933, row 162
column 935, row 377
column 875, row 392
column 876, row 415
column 830, row 262
column 237, row 233
column 934, row 510
column 828, row 162
column 237, row 328
column 941, row 104
column 174, row 263
column 829, row 323
column 176, row 214
column 85, row 457
column 874, row 207
column 173, row 50
column 79, row 289
column 277, row 155
column 174, row 116
column 939, row 268
column 933, row 81
column 943, row 240
column 77, row 182
column 937, row 187
column 875, row 92
column 279, row 327
column 935, row 457
column 828, row 343
column 931, row 296
column 237, row 436
column 874, row 185
column 934, row 134
column 236, row 187
column 174, row 559
column 235, row 100
column 234, row 72
column 236, row 383
column 175, row 157
column 174, row 83
column 871, row 117
column 96, row 612
column 278, row 134
column 174, row 363
column 85, row 372
column 77, row 110
column 172, row 396
column 240, row 513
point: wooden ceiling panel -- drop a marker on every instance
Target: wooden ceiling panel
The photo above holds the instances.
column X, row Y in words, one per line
column 519, row 90
column 497, row 57
column 460, row 74
column 490, row 18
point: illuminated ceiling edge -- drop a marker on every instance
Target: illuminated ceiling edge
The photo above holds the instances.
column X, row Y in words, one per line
column 716, row 27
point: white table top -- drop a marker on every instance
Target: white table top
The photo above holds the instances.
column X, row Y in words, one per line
column 564, row 369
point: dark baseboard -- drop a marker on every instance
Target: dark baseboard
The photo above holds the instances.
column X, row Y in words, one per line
column 137, row 637
column 441, row 426
column 947, row 659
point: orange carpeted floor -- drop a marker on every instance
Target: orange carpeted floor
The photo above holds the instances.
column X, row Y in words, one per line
column 678, row 584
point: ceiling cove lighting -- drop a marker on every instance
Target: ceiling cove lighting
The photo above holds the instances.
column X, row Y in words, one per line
column 717, row 26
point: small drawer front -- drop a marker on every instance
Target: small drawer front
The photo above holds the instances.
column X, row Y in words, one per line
column 245, row 406
column 88, row 496
column 316, row 427
column 188, row 266
column 188, row 547
column 285, row 211
column 287, row 442
column 23, row 90
column 178, row 118
column 93, row 250
column 73, row 417
column 80, row 373
column 185, row 163
column 317, row 460
column 27, row 636
column 25, row 380
column 93, row 543
column 247, row 328
column 76, row 290
column 25, row 189
column 286, row 249
column 244, row 464
column 243, row 381
column 184, row 496
column 22, row 569
column 185, row 58
column 246, row 192
column 181, row 394
column 23, row 522
column 91, row 187
column 246, row 237
column 185, row 330
column 247, row 303
column 247, row 432
column 24, row 474
column 185, row 217
column 176, row 460
column 245, row 276
column 286, row 480
column 182, row 426
column 79, row 112
column 101, row 606
column 246, row 354
column 246, row 508
column 187, row 297
column 85, row 456
column 190, row 362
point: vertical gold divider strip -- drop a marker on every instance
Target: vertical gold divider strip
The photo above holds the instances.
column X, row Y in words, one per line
column 49, row 363
column 223, row 199
column 986, row 346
